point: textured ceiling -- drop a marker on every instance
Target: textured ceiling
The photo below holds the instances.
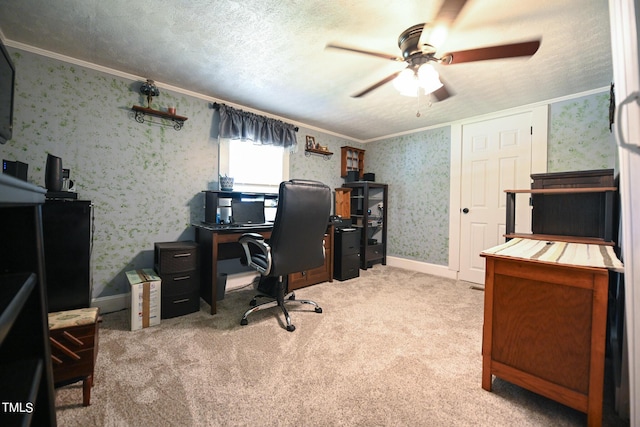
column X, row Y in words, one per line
column 270, row 56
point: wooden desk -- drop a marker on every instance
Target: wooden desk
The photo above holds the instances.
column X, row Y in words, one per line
column 544, row 329
column 219, row 244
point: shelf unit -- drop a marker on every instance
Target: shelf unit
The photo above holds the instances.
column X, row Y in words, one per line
column 140, row 112
column 26, row 376
column 352, row 160
column 606, row 231
column 368, row 205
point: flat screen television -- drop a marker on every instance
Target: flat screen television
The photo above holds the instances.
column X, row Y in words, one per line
column 7, row 81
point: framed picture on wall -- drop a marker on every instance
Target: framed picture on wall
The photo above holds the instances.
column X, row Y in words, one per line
column 311, row 142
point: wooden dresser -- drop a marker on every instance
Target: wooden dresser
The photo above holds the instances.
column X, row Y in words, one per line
column 74, row 347
column 546, row 293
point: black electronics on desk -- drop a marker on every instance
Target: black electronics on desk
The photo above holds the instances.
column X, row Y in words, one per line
column 17, row 169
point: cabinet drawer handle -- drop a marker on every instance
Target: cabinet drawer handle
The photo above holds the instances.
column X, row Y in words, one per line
column 182, row 255
column 178, row 301
column 64, row 349
column 72, row 338
column 175, row 279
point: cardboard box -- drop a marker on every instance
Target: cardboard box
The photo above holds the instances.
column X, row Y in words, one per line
column 145, row 298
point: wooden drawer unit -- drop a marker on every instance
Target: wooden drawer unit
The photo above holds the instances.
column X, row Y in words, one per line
column 321, row 274
column 177, row 264
column 175, row 257
column 73, row 336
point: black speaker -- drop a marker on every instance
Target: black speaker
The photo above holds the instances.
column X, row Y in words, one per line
column 53, row 173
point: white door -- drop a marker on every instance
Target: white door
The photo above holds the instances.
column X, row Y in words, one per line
column 496, row 156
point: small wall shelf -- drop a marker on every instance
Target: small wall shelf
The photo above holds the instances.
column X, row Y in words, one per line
column 352, row 160
column 140, row 112
column 309, row 151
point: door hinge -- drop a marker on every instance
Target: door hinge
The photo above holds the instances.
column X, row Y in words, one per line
column 531, row 130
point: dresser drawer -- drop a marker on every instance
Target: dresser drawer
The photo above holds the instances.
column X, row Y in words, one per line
column 175, row 257
column 375, row 252
column 76, row 338
column 73, row 352
column 179, row 305
column 180, row 283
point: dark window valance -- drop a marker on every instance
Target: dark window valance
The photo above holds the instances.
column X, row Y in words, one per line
column 238, row 124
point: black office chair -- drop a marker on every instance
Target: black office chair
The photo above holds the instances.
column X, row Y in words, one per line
column 296, row 244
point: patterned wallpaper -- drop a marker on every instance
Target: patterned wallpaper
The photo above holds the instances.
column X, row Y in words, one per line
column 416, row 167
column 579, row 136
column 145, row 180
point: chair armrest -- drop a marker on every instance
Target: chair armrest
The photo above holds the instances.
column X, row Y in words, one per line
column 256, row 240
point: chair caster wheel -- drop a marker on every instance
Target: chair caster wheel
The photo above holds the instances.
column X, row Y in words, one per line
column 291, row 328
column 244, row 322
column 318, row 310
column 253, row 303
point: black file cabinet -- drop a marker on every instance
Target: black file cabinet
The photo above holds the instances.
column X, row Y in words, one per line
column 177, row 265
column 66, row 225
column 346, row 264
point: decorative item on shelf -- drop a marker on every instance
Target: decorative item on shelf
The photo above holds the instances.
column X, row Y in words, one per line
column 149, row 89
column 312, row 147
column 226, row 183
column 311, row 143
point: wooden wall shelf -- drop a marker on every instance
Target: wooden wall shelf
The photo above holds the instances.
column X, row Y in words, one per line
column 140, row 112
column 309, row 151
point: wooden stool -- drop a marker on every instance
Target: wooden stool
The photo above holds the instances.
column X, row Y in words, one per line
column 74, row 347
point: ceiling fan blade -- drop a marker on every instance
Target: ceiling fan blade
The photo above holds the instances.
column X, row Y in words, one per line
column 435, row 32
column 376, row 85
column 493, row 52
column 365, row 52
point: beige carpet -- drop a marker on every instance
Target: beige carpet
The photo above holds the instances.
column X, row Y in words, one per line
column 392, row 348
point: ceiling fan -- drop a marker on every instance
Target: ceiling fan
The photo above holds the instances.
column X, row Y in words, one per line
column 418, row 46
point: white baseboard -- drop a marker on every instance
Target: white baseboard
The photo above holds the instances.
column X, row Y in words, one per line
column 112, row 303
column 422, row 267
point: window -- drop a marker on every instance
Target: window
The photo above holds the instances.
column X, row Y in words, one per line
column 259, row 168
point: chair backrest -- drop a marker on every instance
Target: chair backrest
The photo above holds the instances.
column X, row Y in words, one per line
column 298, row 230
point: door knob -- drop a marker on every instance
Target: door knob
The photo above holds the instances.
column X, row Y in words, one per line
column 465, row 210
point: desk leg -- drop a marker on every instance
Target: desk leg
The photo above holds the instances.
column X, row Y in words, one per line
column 208, row 265
column 214, row 273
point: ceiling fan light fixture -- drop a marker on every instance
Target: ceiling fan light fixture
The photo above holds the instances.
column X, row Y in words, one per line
column 428, row 78
column 407, row 83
